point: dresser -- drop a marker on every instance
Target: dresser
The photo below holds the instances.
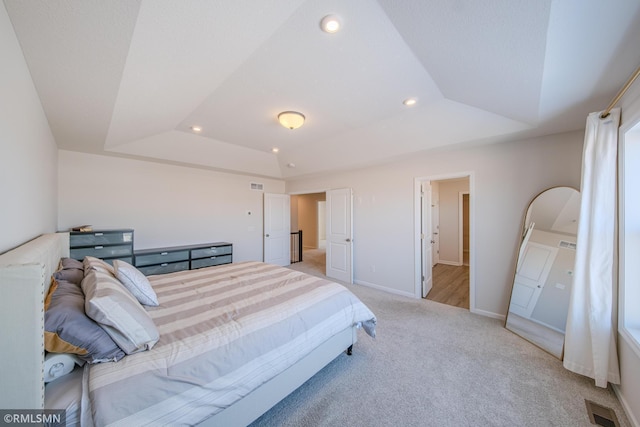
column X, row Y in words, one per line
column 107, row 244
column 178, row 258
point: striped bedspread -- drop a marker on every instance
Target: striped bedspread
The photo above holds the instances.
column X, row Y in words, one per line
column 223, row 332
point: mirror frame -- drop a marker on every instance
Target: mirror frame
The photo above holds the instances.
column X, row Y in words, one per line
column 522, row 234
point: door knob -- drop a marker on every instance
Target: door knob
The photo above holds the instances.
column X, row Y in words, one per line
column 266, row 235
column 348, row 240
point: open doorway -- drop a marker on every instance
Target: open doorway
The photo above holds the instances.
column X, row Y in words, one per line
column 308, row 214
column 445, row 239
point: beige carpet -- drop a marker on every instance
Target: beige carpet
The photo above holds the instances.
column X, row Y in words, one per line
column 437, row 365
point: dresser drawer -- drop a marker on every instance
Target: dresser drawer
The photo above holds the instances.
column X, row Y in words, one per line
column 99, row 251
column 161, row 257
column 128, row 259
column 100, row 238
column 210, row 251
column 208, row 262
column 167, row 267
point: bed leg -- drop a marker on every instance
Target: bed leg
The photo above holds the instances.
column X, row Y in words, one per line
column 350, row 350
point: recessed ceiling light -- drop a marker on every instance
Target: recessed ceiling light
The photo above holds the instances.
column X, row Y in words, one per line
column 196, row 128
column 275, row 149
column 409, row 102
column 330, row 24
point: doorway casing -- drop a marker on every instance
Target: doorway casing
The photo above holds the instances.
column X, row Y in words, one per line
column 417, row 231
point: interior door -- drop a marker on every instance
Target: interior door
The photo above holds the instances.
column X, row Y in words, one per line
column 435, row 223
column 427, row 240
column 339, row 234
column 277, row 229
column 531, row 275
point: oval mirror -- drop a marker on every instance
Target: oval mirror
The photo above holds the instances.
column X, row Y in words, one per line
column 544, row 269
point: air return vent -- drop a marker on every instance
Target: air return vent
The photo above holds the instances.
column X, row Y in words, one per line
column 257, row 186
column 601, row 415
column 567, row 245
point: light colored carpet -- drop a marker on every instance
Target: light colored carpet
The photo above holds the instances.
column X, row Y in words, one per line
column 436, row 365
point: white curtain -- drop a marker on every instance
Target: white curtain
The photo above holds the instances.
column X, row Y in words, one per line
column 590, row 340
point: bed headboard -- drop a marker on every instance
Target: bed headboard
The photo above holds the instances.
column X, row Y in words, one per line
column 25, row 277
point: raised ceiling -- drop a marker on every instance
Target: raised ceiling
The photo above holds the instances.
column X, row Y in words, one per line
column 131, row 78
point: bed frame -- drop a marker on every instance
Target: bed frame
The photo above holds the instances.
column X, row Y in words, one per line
column 25, row 277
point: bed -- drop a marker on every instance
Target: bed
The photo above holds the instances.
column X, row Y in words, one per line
column 232, row 341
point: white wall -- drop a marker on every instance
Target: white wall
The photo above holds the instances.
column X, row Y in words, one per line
column 28, row 152
column 308, row 218
column 165, row 204
column 507, row 176
column 449, row 207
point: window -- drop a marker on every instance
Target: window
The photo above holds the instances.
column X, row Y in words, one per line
column 630, row 234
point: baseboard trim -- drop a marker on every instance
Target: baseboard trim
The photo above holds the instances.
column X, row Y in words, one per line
column 384, row 289
column 625, row 405
column 454, row 263
column 488, row 314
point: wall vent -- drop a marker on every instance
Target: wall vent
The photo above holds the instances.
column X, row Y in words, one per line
column 601, row 415
column 567, row 245
column 257, row 186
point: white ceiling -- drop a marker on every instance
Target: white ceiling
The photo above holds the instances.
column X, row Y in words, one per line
column 131, row 78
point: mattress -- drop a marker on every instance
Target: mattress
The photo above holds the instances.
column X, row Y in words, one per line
column 224, row 331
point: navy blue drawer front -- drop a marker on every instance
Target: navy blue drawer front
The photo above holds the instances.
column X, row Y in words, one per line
column 210, row 251
column 211, row 261
column 176, row 258
column 99, row 251
column 161, row 257
column 101, row 238
column 168, row 267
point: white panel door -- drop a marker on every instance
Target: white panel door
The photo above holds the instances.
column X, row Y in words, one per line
column 435, row 223
column 277, row 229
column 340, row 235
column 427, row 240
column 531, row 276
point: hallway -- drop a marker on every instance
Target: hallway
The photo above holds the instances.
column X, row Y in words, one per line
column 450, row 285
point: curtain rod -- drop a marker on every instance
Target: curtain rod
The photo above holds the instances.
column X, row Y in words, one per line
column 615, row 100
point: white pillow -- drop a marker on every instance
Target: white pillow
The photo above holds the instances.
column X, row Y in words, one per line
column 136, row 282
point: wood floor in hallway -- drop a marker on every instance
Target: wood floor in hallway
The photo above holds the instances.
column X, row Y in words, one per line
column 450, row 285
column 450, row 282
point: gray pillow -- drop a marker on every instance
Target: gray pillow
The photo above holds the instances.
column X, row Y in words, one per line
column 110, row 304
column 71, row 270
column 69, row 330
column 72, row 275
column 136, row 282
column 71, row 263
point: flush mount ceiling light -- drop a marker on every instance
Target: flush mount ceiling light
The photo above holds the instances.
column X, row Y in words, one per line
column 410, row 102
column 291, row 119
column 330, row 24
column 275, row 149
column 196, row 128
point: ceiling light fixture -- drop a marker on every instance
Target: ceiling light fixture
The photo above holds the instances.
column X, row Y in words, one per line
column 330, row 24
column 196, row 128
column 275, row 149
column 291, row 119
column 409, row 102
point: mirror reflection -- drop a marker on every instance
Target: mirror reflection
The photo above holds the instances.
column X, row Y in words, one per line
column 544, row 269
